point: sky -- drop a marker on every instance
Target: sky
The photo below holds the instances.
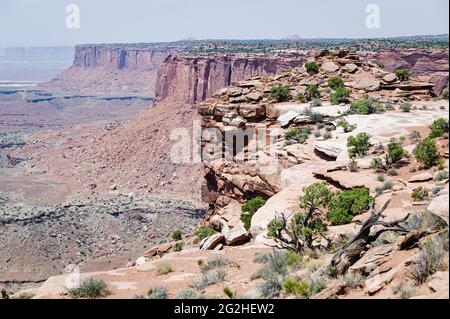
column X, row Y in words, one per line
column 43, row 22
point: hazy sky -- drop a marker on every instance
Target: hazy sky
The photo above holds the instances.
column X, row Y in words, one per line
column 42, row 22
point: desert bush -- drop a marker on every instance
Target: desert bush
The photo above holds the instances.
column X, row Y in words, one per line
column 352, row 280
column 405, row 107
column 403, row 74
column 301, row 97
column 178, row 246
column 298, row 134
column 389, row 107
column 347, row 204
column 90, row 288
column 439, row 128
column 365, row 107
column 228, row 292
column 395, row 153
column 213, row 263
column 429, row 259
column 315, row 102
column 427, row 152
column 353, row 165
column 392, row 172
column 388, row 185
column 210, row 278
column 381, row 178
column 420, row 194
column 297, row 287
column 377, row 164
column 176, row 235
column 358, row 145
column 340, row 95
column 163, row 268
column 346, row 126
column 273, row 273
column 157, row 293
column 312, row 67
column 250, row 208
column 326, row 135
column 187, row 293
column 403, row 289
column 335, row 82
column 293, row 259
column 313, row 116
column 204, row 232
column 445, row 94
column 440, row 176
column 281, row 93
column 312, row 92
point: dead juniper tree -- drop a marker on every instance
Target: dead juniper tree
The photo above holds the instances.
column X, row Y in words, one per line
column 352, row 251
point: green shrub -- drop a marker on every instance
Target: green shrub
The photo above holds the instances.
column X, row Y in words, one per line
column 335, row 82
column 298, row 135
column 312, row 67
column 395, row 153
column 439, row 128
column 204, row 232
column 90, row 288
column 213, row 263
column 313, row 116
column 178, row 246
column 365, row 107
column 249, row 209
column 347, row 204
column 420, row 194
column 293, row 259
column 358, row 145
column 406, row 107
column 228, row 292
column 281, row 93
column 163, row 268
column 176, row 235
column 377, row 164
column 157, row 293
column 440, row 176
column 312, row 92
column 427, row 152
column 273, row 273
column 353, row 165
column 187, row 293
column 403, row 74
column 340, row 96
column 346, row 126
column 301, row 97
column 445, row 94
column 353, row 280
column 299, row 288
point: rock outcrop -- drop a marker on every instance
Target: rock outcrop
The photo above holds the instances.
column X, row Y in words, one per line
column 194, row 79
column 108, row 69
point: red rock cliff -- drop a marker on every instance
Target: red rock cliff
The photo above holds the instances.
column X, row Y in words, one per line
column 194, row 79
column 112, row 70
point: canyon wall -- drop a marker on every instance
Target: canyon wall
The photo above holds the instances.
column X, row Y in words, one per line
column 429, row 66
column 195, row 79
column 109, row 69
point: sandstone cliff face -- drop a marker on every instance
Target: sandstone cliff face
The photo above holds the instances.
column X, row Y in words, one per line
column 194, row 79
column 429, row 66
column 112, row 70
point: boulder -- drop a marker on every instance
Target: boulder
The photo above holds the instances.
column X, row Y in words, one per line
column 252, row 111
column 236, row 235
column 234, row 91
column 373, row 259
column 389, row 78
column 328, row 148
column 367, row 84
column 351, row 68
column 329, row 67
column 423, row 177
column 286, row 119
column 439, row 206
column 255, row 96
column 141, row 261
column 211, row 242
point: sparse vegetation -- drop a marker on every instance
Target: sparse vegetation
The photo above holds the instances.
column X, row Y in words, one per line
column 176, row 235
column 440, row 176
column 335, row 82
column 281, row 93
column 90, row 288
column 312, row 92
column 301, row 97
column 353, row 165
column 312, row 67
column 365, row 107
column 352, row 280
column 403, row 74
column 429, row 259
column 439, row 128
column 445, row 94
column 250, row 208
column 406, row 107
column 210, row 278
column 157, row 293
column 427, row 152
column 213, row 263
column 420, row 194
column 395, row 153
column 346, row 126
column 358, row 145
column 298, row 135
column 178, row 246
column 228, row 292
column 187, row 293
column 340, row 95
column 204, row 232
column 404, row 290
column 273, row 273
column 163, row 268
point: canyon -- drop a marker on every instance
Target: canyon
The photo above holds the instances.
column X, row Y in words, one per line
column 116, row 169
